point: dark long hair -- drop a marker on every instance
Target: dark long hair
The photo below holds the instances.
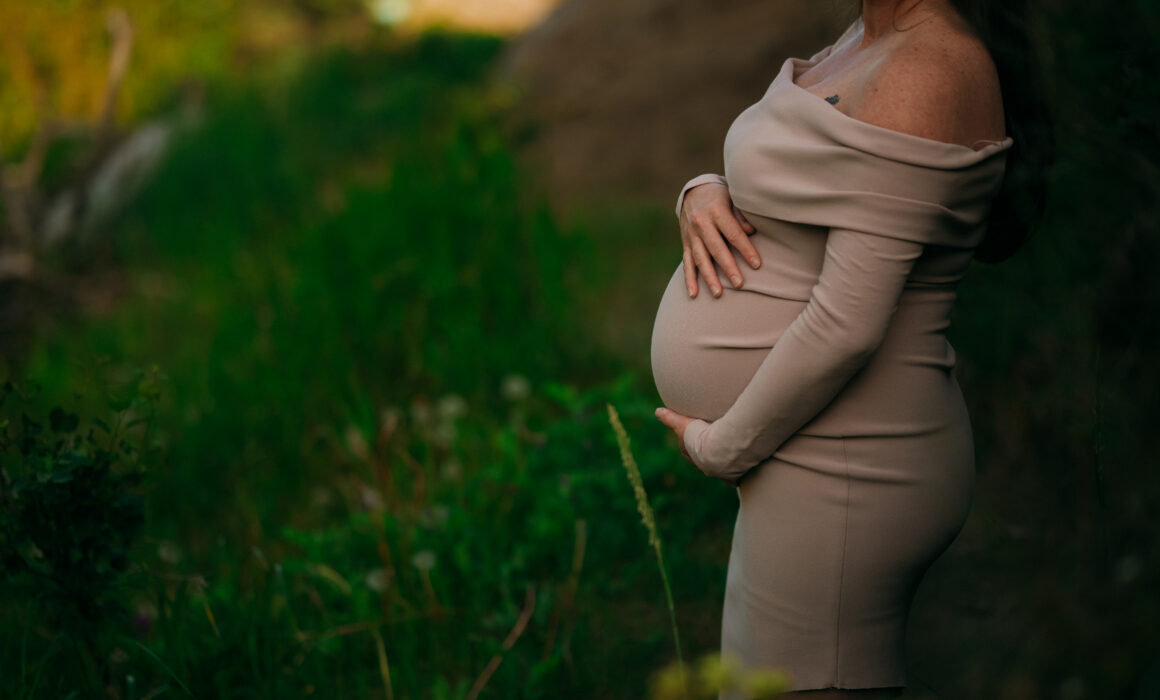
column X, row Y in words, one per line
column 1018, row 207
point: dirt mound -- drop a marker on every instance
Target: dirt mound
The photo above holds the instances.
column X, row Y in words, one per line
column 631, row 99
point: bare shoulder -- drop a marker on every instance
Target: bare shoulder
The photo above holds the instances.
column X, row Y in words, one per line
column 941, row 86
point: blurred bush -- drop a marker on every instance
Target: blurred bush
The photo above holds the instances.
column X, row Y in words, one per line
column 71, row 512
column 373, row 455
column 56, row 58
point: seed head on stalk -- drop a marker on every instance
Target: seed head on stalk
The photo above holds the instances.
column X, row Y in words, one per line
column 646, row 516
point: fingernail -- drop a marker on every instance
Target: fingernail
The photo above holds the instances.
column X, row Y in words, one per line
column 717, row 292
column 736, row 280
column 658, row 412
column 755, row 263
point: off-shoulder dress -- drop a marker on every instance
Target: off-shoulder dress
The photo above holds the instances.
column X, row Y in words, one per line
column 824, row 387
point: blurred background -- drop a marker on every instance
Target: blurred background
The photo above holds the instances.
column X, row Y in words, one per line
column 310, row 312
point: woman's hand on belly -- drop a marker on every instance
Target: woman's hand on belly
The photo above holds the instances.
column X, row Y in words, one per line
column 708, row 220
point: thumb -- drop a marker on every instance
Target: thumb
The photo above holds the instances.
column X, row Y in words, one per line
column 669, row 417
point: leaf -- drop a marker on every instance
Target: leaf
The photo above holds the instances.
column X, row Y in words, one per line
column 60, row 421
column 562, row 393
column 31, row 427
column 61, row 476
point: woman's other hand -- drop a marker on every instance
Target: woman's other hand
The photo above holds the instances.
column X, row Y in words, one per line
column 708, row 220
column 677, row 423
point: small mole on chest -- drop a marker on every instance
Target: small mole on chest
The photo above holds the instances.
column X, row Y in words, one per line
column 832, row 99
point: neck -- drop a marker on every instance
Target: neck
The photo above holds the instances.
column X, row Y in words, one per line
column 880, row 17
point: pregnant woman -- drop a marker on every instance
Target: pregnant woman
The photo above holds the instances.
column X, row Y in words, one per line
column 858, row 189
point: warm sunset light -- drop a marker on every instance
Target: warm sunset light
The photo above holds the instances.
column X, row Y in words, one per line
column 491, row 16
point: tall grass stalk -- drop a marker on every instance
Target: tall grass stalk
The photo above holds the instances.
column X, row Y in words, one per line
column 384, row 667
column 646, row 515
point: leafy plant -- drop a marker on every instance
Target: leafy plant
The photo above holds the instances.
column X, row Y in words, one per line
column 70, row 511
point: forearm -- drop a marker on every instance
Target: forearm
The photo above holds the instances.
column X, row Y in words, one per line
column 830, row 341
column 797, row 380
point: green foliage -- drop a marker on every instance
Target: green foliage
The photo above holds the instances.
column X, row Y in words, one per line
column 374, row 449
column 71, row 510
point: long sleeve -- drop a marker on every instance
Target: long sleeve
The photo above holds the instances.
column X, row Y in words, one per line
column 884, row 196
column 835, row 335
column 699, row 180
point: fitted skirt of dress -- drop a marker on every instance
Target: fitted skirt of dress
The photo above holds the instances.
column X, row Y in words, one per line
column 836, row 529
column 832, row 538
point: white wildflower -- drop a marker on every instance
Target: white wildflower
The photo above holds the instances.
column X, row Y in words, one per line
column 515, row 387
column 356, row 442
column 388, row 421
column 451, row 470
column 451, row 407
column 145, row 611
column 424, row 560
column 444, row 435
column 434, row 516
column 421, row 412
column 321, row 498
column 377, row 580
column 369, row 498
column 169, row 553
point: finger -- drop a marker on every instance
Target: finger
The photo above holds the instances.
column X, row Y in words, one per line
column 669, row 418
column 745, row 225
column 733, row 232
column 705, row 265
column 690, row 273
column 723, row 255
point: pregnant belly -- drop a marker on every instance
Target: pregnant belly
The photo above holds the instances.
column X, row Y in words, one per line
column 705, row 350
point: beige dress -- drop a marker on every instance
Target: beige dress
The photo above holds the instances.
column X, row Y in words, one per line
column 824, row 388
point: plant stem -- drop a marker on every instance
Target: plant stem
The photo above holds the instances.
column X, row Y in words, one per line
column 646, row 515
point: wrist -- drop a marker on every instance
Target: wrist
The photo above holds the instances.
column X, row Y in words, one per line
column 696, row 182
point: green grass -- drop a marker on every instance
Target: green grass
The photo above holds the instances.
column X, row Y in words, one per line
column 336, row 275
